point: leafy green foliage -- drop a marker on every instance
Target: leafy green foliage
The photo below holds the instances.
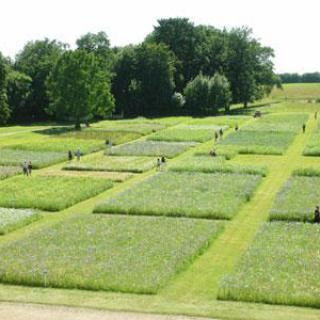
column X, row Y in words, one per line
column 297, row 199
column 280, row 267
column 201, row 195
column 101, row 162
column 10, row 157
column 151, row 148
column 49, row 193
column 127, row 254
column 4, row 108
column 12, row 219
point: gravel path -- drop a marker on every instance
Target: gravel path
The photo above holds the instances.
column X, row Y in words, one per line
column 17, row 311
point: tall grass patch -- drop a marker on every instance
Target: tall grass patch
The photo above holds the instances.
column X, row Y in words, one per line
column 280, row 267
column 116, row 253
column 101, row 162
column 259, row 142
column 187, row 194
column 8, row 171
column 151, row 148
column 12, row 219
column 214, row 164
column 40, row 159
column 297, row 199
column 49, row 193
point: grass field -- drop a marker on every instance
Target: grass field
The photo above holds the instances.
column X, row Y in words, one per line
column 228, row 121
column 118, row 253
column 297, row 91
column 12, row 219
column 101, row 162
column 151, row 148
column 214, row 165
column 259, row 142
column 280, row 267
column 40, row 159
column 297, row 199
column 49, row 193
column 8, row 171
column 197, row 195
column 62, row 145
column 184, row 134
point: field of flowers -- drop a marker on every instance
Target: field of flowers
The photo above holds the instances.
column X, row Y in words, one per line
column 101, row 252
column 49, row 193
column 214, row 165
column 297, row 199
column 151, row 148
column 194, row 194
column 10, row 157
column 101, row 162
column 8, row 171
column 280, row 267
column 12, row 219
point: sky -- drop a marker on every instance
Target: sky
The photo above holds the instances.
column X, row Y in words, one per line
column 290, row 27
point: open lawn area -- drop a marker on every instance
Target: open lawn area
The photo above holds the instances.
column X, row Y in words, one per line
column 101, row 162
column 151, row 148
column 49, row 193
column 194, row 194
column 101, row 252
column 40, row 159
column 12, row 219
column 280, row 267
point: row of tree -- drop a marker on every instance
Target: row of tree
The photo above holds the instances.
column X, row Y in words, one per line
column 312, row 77
column 180, row 68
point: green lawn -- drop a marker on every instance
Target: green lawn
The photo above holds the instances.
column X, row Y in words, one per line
column 12, row 219
column 151, row 148
column 194, row 194
column 296, row 91
column 280, row 267
column 297, row 199
column 49, row 193
column 100, row 252
column 101, row 162
column 40, row 159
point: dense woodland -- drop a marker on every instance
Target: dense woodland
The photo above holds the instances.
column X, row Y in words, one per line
column 313, row 77
column 180, row 68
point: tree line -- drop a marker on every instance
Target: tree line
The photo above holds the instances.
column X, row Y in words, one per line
column 180, row 68
column 312, row 77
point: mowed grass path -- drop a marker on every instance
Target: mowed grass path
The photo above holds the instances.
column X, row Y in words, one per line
column 201, row 281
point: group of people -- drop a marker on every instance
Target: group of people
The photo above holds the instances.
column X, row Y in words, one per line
column 161, row 162
column 27, row 168
column 77, row 154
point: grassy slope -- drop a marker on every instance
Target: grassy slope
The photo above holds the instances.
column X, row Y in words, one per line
column 200, row 300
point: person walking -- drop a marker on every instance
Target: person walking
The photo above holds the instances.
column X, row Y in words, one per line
column 163, row 162
column 70, row 155
column 30, row 168
column 304, row 128
column 216, row 136
column 221, row 133
column 317, row 215
column 25, row 168
column 158, row 164
column 78, row 155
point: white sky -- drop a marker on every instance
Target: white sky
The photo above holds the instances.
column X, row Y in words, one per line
column 292, row 28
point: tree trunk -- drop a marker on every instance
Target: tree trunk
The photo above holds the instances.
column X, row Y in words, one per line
column 77, row 124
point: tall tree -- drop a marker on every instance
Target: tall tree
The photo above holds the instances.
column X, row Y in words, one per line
column 78, row 89
column 4, row 108
column 36, row 60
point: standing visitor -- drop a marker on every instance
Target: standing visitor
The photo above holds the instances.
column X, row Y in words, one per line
column 317, row 215
column 216, row 136
column 158, row 164
column 25, row 168
column 78, row 155
column 221, row 133
column 30, row 168
column 70, row 156
column 163, row 162
column 304, row 128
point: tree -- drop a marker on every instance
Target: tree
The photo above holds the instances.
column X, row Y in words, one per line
column 18, row 91
column 205, row 95
column 4, row 108
column 144, row 81
column 36, row 60
column 78, row 90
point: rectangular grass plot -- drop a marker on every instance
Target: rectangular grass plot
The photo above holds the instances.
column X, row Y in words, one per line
column 196, row 194
column 101, row 162
column 10, row 157
column 100, row 252
column 9, row 171
column 151, row 148
column 49, row 193
column 12, row 219
column 297, row 199
column 280, row 267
